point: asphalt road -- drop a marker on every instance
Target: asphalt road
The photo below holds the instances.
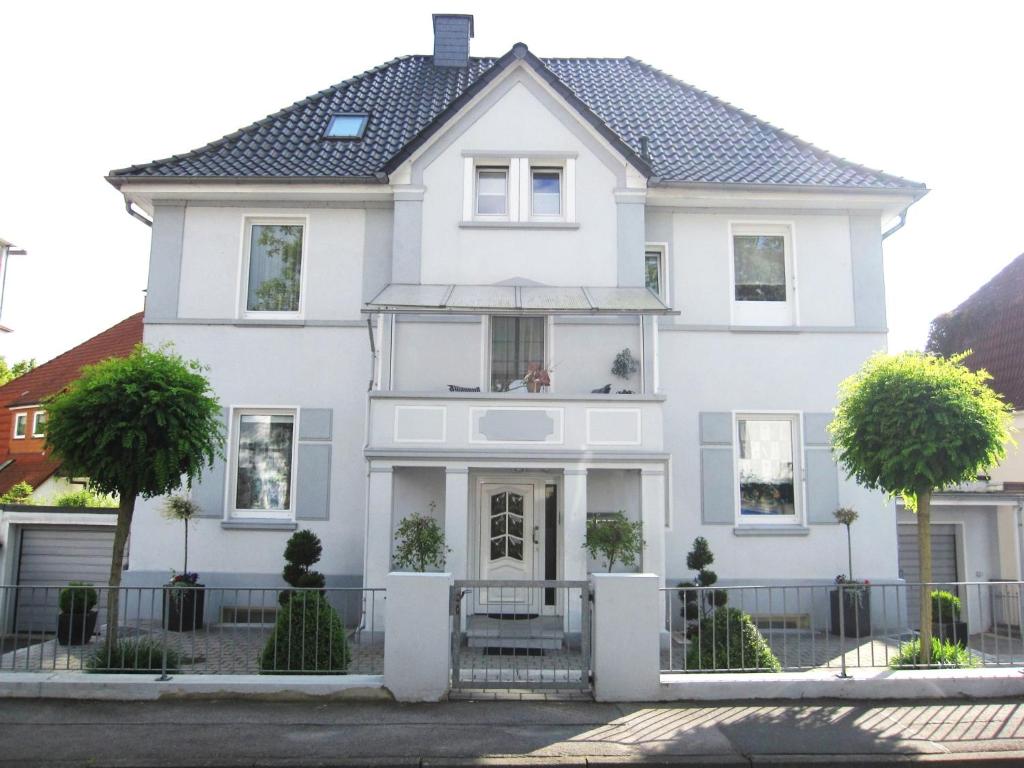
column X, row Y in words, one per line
column 265, row 733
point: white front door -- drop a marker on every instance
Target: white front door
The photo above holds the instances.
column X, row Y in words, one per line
column 507, row 546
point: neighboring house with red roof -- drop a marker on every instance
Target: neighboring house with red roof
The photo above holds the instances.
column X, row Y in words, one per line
column 23, row 455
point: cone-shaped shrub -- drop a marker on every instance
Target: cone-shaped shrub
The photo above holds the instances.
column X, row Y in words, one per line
column 729, row 640
column 308, row 638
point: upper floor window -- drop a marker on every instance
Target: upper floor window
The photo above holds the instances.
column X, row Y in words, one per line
column 346, row 126
column 492, row 191
column 546, row 184
column 517, row 354
column 39, row 424
column 20, row 424
column 766, row 468
column 762, row 269
column 656, row 271
column 274, row 261
column 263, row 459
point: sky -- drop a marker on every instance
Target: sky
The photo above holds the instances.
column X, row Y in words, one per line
column 927, row 90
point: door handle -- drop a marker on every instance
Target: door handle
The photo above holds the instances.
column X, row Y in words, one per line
column 536, row 528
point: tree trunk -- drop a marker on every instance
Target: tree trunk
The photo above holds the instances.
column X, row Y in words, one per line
column 125, row 510
column 924, row 546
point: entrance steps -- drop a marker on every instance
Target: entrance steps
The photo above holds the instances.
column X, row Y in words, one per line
column 541, row 633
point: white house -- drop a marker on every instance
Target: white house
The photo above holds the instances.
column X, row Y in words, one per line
column 380, row 275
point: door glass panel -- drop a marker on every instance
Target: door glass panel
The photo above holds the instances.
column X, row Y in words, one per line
column 498, row 527
column 515, row 526
column 498, row 504
column 515, row 504
column 497, row 548
column 515, row 548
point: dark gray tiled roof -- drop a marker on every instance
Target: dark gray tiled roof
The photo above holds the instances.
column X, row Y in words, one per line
column 694, row 137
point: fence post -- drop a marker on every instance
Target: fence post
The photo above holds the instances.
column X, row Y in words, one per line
column 627, row 636
column 417, row 641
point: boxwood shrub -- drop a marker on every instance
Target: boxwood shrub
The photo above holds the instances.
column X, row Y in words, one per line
column 729, row 640
column 308, row 638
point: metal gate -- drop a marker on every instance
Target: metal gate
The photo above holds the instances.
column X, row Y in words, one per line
column 521, row 634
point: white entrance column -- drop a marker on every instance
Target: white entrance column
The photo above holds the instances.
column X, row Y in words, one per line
column 653, row 509
column 377, row 551
column 456, row 520
column 574, row 531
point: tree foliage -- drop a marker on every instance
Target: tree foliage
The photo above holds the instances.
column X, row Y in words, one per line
column 83, row 498
column 19, row 493
column 10, row 372
column 615, row 539
column 421, row 543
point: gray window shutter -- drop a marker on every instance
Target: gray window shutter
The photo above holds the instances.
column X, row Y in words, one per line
column 717, row 476
column 313, row 473
column 208, row 492
column 822, row 498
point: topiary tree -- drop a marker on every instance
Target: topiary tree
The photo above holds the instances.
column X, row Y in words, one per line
column 694, row 608
column 308, row 638
column 302, row 552
column 728, row 639
column 911, row 424
column 421, row 542
column 184, row 509
column 615, row 539
column 142, row 425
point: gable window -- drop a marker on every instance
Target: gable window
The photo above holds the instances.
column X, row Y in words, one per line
column 492, row 191
column 762, row 270
column 517, row 349
column 39, row 424
column 346, row 126
column 274, row 266
column 546, row 186
column 20, row 424
column 655, row 271
column 766, row 468
column 263, row 459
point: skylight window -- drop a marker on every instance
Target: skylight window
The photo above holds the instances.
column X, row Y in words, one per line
column 348, row 126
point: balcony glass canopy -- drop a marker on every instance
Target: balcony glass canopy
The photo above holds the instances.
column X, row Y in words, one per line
column 403, row 298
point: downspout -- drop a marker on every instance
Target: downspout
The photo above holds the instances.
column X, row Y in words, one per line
column 897, row 226
column 135, row 214
column 366, row 445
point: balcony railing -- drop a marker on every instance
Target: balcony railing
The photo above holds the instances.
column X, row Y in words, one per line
column 543, row 422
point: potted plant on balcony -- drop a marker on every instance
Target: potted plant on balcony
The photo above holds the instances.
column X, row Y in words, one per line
column 946, row 624
column 536, row 377
column 624, row 366
column 76, row 622
column 856, row 595
column 184, row 596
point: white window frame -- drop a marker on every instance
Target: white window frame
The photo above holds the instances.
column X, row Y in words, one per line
column 20, row 417
column 35, row 424
column 492, row 168
column 662, row 250
column 237, row 413
column 796, row 425
column 248, row 221
column 485, row 370
column 540, row 167
column 768, row 313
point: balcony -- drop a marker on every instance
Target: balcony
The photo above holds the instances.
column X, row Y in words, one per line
column 543, row 424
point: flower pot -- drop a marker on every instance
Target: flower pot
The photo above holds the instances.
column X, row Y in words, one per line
column 856, row 619
column 183, row 608
column 76, row 628
column 951, row 631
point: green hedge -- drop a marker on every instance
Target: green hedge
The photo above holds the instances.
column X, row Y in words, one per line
column 308, row 638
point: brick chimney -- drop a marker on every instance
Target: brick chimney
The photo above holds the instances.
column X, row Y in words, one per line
column 451, row 39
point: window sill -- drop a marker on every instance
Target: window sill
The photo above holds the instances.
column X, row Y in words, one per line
column 518, row 225
column 771, row 530
column 257, row 524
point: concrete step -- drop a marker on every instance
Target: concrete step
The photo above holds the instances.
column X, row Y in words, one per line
column 541, row 633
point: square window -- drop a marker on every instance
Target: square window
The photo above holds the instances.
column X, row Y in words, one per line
column 39, row 424
column 275, row 267
column 347, row 126
column 20, row 424
column 766, row 468
column 517, row 349
column 546, row 185
column 264, row 445
column 492, row 191
column 759, row 267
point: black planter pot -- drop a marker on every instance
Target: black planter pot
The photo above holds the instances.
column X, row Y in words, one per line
column 951, row 631
column 183, row 608
column 856, row 612
column 76, row 628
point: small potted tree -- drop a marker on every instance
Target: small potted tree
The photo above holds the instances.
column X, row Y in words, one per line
column 421, row 543
column 185, row 597
column 76, row 622
column 856, row 597
column 614, row 538
column 624, row 366
column 946, row 623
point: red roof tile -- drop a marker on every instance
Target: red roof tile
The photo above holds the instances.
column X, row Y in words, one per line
column 52, row 376
column 991, row 324
column 32, row 468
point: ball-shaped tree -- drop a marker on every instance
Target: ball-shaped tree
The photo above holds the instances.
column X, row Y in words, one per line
column 911, row 424
column 142, row 425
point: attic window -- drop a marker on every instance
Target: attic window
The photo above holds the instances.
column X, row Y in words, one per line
column 346, row 126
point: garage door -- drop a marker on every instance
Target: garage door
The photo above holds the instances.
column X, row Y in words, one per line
column 943, row 563
column 55, row 555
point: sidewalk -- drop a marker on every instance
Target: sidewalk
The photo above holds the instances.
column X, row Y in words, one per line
column 231, row 733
